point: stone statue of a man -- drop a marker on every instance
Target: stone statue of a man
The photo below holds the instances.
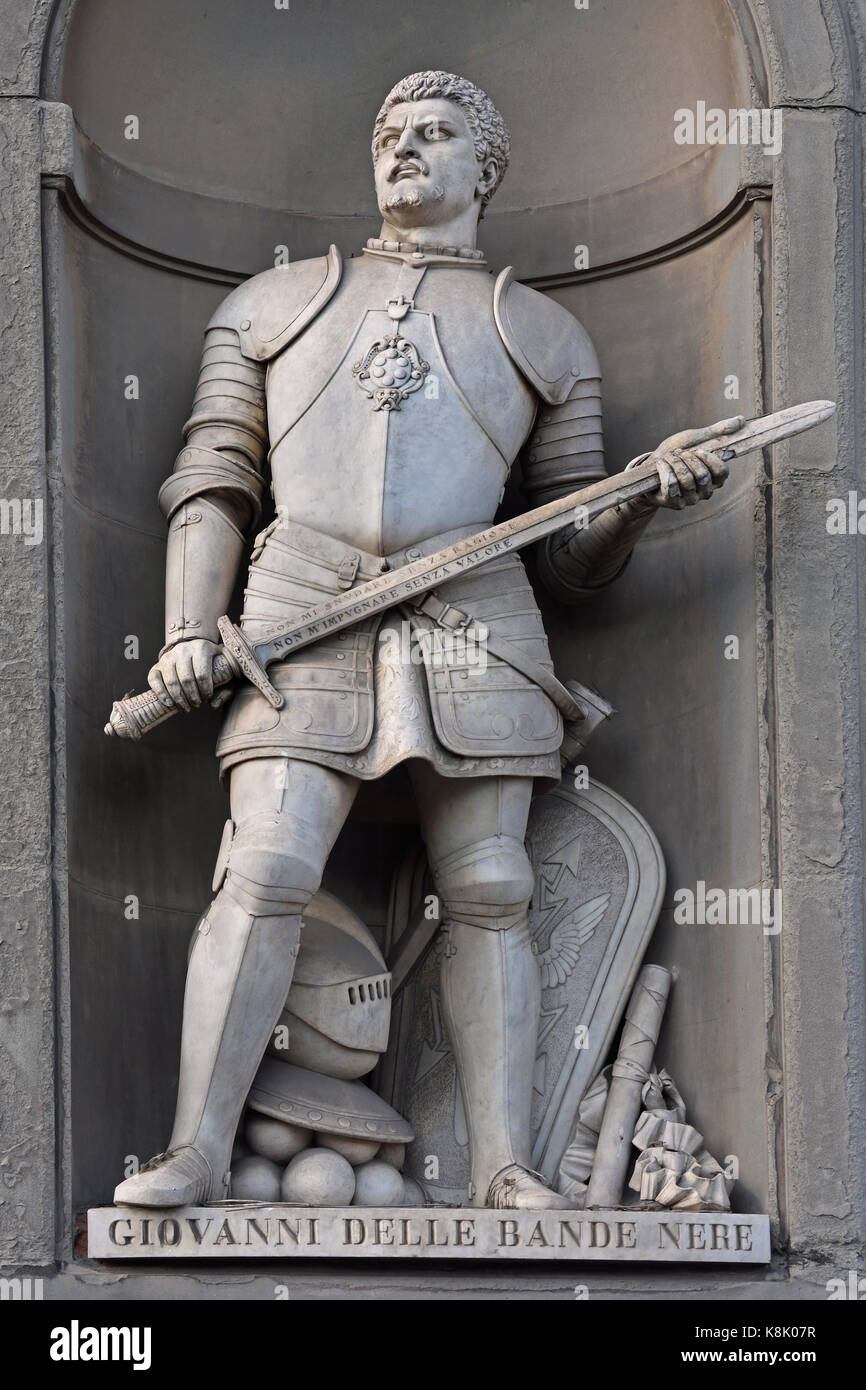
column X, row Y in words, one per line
column 390, row 396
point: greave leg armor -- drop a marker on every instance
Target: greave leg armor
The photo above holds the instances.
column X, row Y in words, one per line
column 491, row 995
column 239, row 973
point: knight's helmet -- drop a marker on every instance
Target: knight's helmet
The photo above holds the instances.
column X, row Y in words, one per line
column 338, row 1009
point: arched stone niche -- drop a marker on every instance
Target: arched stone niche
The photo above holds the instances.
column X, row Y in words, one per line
column 254, row 133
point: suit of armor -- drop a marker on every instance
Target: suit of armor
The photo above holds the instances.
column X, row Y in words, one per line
column 394, row 393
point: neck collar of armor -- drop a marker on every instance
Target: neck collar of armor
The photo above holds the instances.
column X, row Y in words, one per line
column 415, row 253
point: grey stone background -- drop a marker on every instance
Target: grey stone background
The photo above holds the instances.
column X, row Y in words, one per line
column 254, row 132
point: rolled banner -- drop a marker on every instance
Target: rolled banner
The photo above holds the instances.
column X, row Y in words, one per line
column 575, row 1166
column 629, row 1074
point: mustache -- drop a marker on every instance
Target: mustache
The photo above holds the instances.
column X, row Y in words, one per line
column 416, row 166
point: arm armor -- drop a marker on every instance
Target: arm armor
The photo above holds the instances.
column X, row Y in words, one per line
column 213, row 498
column 565, row 453
column 226, row 435
column 214, row 495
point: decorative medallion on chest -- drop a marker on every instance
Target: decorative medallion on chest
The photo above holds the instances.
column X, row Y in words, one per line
column 391, row 368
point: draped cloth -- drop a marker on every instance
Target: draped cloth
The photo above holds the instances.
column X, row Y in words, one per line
column 674, row 1169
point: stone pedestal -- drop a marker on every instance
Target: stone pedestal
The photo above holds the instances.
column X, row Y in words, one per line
column 254, row 1230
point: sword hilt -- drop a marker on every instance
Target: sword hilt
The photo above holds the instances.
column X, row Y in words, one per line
column 136, row 715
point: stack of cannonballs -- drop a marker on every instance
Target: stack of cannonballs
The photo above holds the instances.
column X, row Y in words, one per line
column 289, row 1163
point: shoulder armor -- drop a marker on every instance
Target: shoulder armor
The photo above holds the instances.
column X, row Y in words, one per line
column 545, row 341
column 271, row 309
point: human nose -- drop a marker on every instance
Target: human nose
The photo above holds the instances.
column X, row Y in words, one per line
column 408, row 141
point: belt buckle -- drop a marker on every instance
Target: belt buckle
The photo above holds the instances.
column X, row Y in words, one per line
column 445, row 614
column 347, row 570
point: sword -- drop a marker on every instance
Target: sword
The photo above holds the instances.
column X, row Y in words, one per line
column 135, row 715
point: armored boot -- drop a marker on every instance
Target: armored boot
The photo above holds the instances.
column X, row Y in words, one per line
column 239, row 973
column 491, row 993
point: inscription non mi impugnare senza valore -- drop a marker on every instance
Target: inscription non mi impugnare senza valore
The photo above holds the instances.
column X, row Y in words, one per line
column 364, row 607
column 613, row 1236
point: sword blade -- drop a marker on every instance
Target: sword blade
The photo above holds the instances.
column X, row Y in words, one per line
column 769, row 429
column 411, row 581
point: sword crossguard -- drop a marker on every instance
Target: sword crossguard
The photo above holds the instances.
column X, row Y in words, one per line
column 239, row 651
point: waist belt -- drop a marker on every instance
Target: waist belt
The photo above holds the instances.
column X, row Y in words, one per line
column 347, row 562
column 457, row 620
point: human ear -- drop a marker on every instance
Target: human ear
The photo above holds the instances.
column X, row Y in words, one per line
column 487, row 177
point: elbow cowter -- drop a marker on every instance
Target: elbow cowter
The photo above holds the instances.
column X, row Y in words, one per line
column 574, row 564
column 225, row 437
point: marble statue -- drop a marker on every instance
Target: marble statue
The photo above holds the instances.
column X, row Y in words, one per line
column 385, row 400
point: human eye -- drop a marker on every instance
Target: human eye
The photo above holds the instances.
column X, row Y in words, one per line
column 434, row 131
column 388, row 140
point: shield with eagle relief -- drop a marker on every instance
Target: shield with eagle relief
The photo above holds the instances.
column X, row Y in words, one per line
column 599, row 879
column 562, row 927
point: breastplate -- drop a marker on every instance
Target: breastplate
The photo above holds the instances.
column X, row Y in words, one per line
column 397, row 416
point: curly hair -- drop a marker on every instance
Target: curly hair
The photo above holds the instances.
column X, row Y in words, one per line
column 489, row 131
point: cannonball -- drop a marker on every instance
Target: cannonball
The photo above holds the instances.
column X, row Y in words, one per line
column 275, row 1139
column 256, row 1179
column 378, row 1184
column 319, row 1178
column 413, row 1194
column 395, row 1154
column 355, row 1150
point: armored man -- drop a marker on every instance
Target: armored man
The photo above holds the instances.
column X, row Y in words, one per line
column 391, row 395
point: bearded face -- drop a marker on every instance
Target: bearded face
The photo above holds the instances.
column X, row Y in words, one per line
column 406, row 199
column 426, row 170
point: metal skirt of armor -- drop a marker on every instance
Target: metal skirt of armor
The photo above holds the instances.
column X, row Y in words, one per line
column 395, row 686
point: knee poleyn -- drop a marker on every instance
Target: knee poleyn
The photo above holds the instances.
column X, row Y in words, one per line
column 487, row 884
column 269, row 869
